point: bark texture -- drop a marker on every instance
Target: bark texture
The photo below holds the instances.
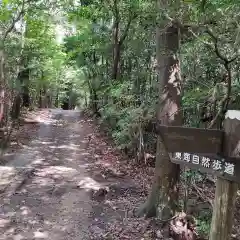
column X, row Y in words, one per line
column 164, row 194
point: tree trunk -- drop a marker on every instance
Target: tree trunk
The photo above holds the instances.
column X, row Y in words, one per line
column 40, row 98
column 56, row 99
column 94, row 98
column 164, row 193
column 117, row 39
column 23, row 78
column 116, row 59
column 16, row 107
column 116, row 46
column 2, row 83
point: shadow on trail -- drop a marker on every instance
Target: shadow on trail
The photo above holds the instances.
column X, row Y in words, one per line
column 61, row 192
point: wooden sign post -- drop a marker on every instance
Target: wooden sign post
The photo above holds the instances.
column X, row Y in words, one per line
column 212, row 151
column 226, row 190
column 191, row 140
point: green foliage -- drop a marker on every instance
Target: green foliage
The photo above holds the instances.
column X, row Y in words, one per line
column 120, row 103
column 29, row 42
column 86, row 57
column 204, row 223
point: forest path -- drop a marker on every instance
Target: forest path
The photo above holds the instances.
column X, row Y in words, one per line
column 48, row 187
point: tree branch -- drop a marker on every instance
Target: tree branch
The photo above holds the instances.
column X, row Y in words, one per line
column 226, row 62
column 115, row 10
column 15, row 20
column 124, row 35
column 216, row 49
column 203, row 5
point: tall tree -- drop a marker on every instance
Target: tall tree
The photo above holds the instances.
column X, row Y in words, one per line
column 164, row 193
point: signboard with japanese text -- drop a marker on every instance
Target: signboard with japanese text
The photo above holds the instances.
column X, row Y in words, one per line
column 226, row 168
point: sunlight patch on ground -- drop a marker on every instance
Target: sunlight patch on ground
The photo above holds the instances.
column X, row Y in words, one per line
column 41, row 235
column 46, row 121
column 43, row 142
column 9, row 154
column 64, row 146
column 6, row 175
column 4, row 222
column 18, row 237
column 57, row 170
column 69, row 159
column 40, row 120
column 85, row 165
column 4, row 169
column 89, row 183
column 75, row 145
column 105, row 164
column 25, row 210
column 33, row 149
column 85, row 154
column 38, row 161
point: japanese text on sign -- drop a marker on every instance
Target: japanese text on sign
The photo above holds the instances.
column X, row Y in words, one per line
column 205, row 162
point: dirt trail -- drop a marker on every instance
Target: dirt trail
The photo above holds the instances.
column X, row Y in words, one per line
column 47, row 188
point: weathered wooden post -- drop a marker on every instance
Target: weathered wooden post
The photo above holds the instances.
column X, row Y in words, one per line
column 211, row 151
column 226, row 190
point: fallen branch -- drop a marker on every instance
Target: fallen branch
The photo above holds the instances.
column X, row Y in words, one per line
column 202, row 195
